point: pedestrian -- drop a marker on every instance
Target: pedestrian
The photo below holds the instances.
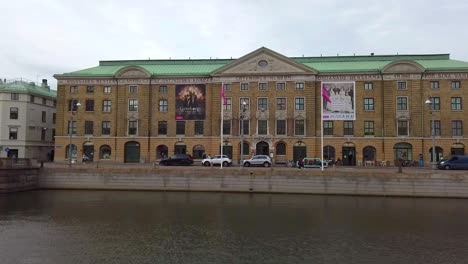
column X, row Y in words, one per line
column 300, row 164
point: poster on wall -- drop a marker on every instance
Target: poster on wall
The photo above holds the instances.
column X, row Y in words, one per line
column 338, row 101
column 190, row 102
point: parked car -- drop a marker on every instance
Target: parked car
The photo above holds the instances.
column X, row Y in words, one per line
column 217, row 160
column 314, row 163
column 456, row 162
column 258, row 160
column 177, row 159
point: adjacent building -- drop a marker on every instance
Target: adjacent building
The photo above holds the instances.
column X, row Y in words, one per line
column 372, row 109
column 27, row 120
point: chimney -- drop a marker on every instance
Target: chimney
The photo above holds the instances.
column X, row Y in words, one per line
column 44, row 83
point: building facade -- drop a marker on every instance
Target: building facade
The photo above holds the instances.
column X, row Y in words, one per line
column 403, row 107
column 28, row 120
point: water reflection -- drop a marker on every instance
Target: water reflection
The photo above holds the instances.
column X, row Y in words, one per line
column 179, row 227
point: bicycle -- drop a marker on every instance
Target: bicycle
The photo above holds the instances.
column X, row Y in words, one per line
column 290, row 164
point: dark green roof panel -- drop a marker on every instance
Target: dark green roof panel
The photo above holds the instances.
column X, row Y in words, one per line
column 27, row 88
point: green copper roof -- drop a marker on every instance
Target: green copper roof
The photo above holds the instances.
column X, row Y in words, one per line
column 329, row 64
column 27, row 88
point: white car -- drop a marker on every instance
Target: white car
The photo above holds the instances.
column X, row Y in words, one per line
column 217, row 160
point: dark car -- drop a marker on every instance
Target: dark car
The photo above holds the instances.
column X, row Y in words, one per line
column 177, row 159
column 456, row 162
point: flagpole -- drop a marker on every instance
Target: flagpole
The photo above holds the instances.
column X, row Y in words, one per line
column 321, row 125
column 222, row 120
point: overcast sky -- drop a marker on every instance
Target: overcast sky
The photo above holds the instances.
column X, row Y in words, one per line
column 39, row 38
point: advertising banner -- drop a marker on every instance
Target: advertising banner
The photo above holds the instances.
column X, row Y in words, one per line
column 190, row 102
column 338, row 101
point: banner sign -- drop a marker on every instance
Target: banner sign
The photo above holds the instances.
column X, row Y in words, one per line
column 338, row 101
column 190, row 102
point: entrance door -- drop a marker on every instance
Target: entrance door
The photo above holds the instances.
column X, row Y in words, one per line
column 299, row 152
column 262, row 148
column 349, row 156
column 227, row 150
column 132, row 152
column 12, row 153
column 88, row 150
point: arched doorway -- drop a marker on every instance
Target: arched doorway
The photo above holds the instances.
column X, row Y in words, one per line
column 329, row 153
column 180, row 148
column 439, row 153
column 132, row 152
column 369, row 153
column 227, row 149
column 299, row 151
column 105, row 152
column 262, row 148
column 197, row 151
column 74, row 152
column 88, row 151
column 457, row 149
column 348, row 154
column 281, row 152
column 403, row 151
column 162, row 152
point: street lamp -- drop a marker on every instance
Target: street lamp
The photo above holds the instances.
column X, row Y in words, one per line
column 73, row 108
column 430, row 103
column 242, row 115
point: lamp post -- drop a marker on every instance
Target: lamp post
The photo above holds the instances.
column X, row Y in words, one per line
column 242, row 115
column 430, row 103
column 73, row 105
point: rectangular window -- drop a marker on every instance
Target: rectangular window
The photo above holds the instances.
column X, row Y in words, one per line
column 14, row 96
column 53, row 134
column 32, row 98
column 456, row 85
column 71, row 127
column 299, row 86
column 133, row 89
column 226, row 127
column 348, row 128
column 244, row 86
column 44, row 101
column 368, row 86
column 280, row 127
column 456, row 103
column 402, row 103
column 54, row 118
column 13, row 112
column 262, row 127
column 369, row 128
column 13, row 133
column 402, row 127
column 299, row 127
column 227, row 87
column 434, row 84
column 73, row 89
column 281, row 103
column 89, row 105
column 89, row 89
column 228, row 105
column 133, row 105
column 107, row 89
column 44, row 116
column 89, row 127
column 435, row 105
column 401, row 85
column 328, row 128
column 246, row 106
column 244, row 127
column 162, row 127
column 163, row 105
column 132, row 127
column 281, row 86
column 106, row 128
column 262, row 104
column 163, row 89
column 437, row 128
column 262, row 87
column 43, row 133
column 457, row 128
column 180, row 127
column 106, row 106
column 55, row 103
column 73, row 105
column 368, row 104
column 198, row 127
column 299, row 103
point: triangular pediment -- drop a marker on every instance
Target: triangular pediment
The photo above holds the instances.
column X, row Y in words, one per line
column 405, row 66
column 263, row 61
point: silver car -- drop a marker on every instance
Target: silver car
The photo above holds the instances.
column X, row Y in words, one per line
column 217, row 160
column 258, row 160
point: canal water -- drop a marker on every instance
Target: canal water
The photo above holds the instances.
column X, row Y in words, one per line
column 182, row 227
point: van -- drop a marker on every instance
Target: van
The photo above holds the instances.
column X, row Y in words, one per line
column 456, row 162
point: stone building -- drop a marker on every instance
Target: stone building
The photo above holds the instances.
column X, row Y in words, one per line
column 27, row 115
column 382, row 108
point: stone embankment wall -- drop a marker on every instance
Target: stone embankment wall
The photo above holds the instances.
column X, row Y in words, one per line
column 431, row 183
column 18, row 179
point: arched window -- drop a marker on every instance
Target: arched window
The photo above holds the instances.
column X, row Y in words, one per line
column 197, row 152
column 280, row 149
column 105, row 152
column 74, row 150
column 329, row 153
